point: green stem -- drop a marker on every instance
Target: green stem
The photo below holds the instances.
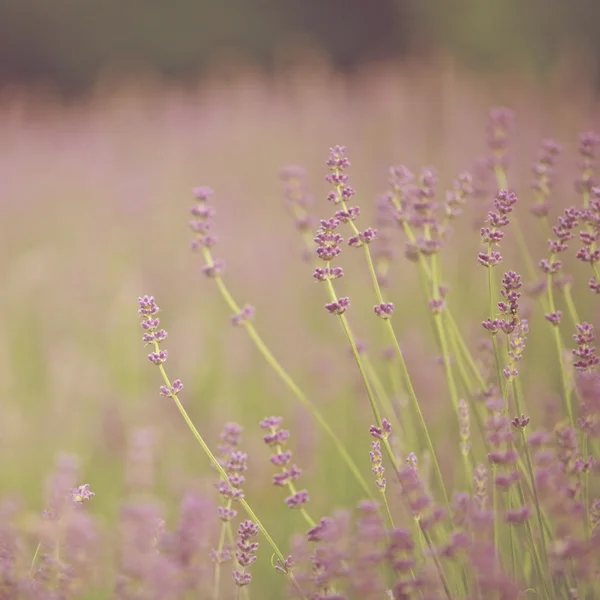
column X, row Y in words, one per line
column 290, row 383
column 224, row 475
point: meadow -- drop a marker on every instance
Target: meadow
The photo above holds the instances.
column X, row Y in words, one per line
column 422, row 370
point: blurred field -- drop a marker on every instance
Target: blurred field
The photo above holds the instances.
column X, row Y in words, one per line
column 94, row 201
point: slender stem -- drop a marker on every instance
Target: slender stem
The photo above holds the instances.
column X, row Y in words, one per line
column 218, row 557
column 571, row 305
column 417, row 408
column 224, row 475
column 536, row 555
column 538, row 508
column 380, row 390
column 438, row 564
column 292, row 488
column 35, row 555
column 289, row 382
column 559, row 348
column 405, row 373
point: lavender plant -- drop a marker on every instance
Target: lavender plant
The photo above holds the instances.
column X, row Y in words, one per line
column 530, row 527
column 469, row 482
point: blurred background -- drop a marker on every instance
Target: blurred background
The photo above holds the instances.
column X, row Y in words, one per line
column 68, row 43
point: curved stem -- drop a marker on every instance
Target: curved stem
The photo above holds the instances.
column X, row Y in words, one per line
column 289, row 382
column 223, row 474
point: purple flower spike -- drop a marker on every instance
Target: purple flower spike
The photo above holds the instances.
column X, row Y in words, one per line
column 585, row 351
column 271, row 422
column 281, row 458
column 383, row 432
column 377, row 465
column 518, row 516
column 286, row 567
column 554, row 317
column 82, row 493
column 520, row 422
column 298, row 499
column 246, row 552
column 384, row 310
column 215, row 269
column 203, row 193
column 489, row 260
column 245, row 314
column 176, row 388
column 148, row 306
column 158, row 358
column 338, row 307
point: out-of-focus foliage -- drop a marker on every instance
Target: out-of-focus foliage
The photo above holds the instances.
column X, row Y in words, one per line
column 69, row 41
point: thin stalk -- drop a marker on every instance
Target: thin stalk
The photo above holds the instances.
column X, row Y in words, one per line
column 536, row 555
column 405, row 373
column 438, row 564
column 559, row 349
column 380, row 390
column 289, row 382
column 538, row 508
column 224, row 475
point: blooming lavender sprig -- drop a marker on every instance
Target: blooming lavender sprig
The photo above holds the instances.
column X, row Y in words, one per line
column 201, row 225
column 542, row 178
column 417, row 498
column 243, row 316
column 383, row 250
column 288, row 473
column 298, row 202
column 589, row 145
column 245, row 552
column 148, row 310
column 234, row 463
column 508, row 307
column 499, row 127
column 589, row 251
column 493, row 232
column 377, row 467
column 82, row 493
column 586, row 351
column 552, row 266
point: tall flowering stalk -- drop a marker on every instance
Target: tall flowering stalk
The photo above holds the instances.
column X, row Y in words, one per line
column 276, row 438
column 491, row 235
column 414, row 208
column 230, row 490
column 500, row 125
column 589, row 144
column 204, row 240
column 150, row 323
column 328, row 242
column 245, row 553
column 552, row 266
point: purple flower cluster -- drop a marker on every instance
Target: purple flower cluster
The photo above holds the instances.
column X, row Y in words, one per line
column 153, row 335
column 508, row 308
column 288, row 472
column 338, row 164
column 245, row 552
column 589, row 144
column 585, row 351
column 377, row 464
column 201, row 226
column 381, row 432
column 542, row 182
column 500, row 124
column 493, row 233
column 297, row 198
column 235, row 464
column 589, row 252
column 417, row 498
